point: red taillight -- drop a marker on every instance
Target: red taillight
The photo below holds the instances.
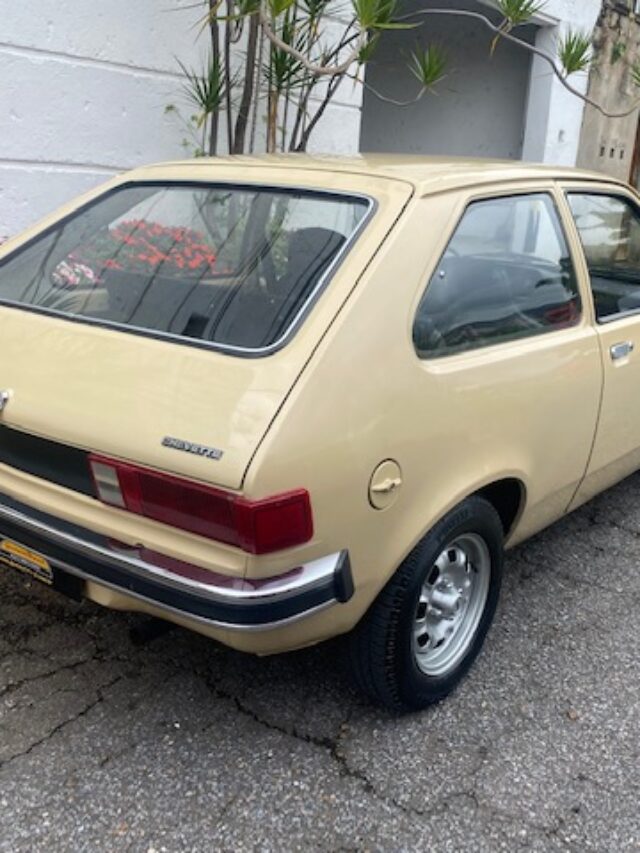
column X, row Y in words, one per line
column 259, row 527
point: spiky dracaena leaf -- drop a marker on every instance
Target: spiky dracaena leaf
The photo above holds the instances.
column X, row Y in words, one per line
column 368, row 49
column 283, row 70
column 373, row 15
column 205, row 89
column 241, row 9
column 518, row 12
column 574, row 51
column 635, row 74
column 278, row 7
column 314, row 9
column 247, row 7
column 428, row 65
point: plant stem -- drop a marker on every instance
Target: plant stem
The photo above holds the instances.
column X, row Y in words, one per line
column 214, row 118
column 256, row 90
column 247, row 89
column 272, row 120
column 302, row 114
column 342, row 68
column 385, row 98
column 301, row 110
column 228, row 75
column 331, row 90
column 316, row 70
column 542, row 54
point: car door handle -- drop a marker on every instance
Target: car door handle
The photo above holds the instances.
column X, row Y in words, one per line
column 621, row 350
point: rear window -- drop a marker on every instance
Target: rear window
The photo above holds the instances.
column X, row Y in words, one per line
column 234, row 267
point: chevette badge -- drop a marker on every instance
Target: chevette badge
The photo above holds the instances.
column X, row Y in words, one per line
column 190, row 447
column 5, row 396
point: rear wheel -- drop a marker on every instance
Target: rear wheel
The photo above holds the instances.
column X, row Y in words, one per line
column 428, row 624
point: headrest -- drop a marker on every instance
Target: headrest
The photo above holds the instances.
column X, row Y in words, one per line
column 313, row 249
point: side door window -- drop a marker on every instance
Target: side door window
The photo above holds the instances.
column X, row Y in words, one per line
column 609, row 227
column 506, row 274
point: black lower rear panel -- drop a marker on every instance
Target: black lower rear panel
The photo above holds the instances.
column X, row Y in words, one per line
column 49, row 460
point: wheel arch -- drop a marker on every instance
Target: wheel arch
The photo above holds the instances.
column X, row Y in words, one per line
column 507, row 494
column 508, row 498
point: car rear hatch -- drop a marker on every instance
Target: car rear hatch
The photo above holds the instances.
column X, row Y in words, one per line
column 73, row 387
column 93, row 360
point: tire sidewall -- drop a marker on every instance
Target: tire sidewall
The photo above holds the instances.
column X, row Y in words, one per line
column 474, row 515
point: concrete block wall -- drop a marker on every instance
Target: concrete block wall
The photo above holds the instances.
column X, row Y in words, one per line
column 84, row 88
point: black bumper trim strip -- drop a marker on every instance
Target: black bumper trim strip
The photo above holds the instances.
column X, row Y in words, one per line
column 238, row 614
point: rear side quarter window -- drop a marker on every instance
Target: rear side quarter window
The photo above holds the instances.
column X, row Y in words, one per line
column 506, row 274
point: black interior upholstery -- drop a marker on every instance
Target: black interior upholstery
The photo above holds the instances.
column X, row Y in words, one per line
column 260, row 312
column 249, row 312
column 139, row 301
column 311, row 250
column 480, row 297
column 616, row 289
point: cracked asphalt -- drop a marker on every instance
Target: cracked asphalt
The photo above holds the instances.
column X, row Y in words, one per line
column 183, row 745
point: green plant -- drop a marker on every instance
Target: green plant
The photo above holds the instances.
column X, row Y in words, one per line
column 206, row 91
column 269, row 57
column 428, row 65
column 618, row 51
column 518, row 12
column 574, row 51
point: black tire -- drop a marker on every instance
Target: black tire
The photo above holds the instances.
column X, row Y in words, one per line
column 383, row 655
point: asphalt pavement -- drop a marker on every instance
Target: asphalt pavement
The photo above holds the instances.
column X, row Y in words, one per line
column 182, row 745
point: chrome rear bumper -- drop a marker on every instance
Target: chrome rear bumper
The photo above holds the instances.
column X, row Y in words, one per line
column 175, row 587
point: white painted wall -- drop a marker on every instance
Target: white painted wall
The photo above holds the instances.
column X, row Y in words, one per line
column 83, row 92
column 84, row 86
column 554, row 115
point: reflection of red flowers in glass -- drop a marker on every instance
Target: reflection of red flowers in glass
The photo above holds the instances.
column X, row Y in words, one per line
column 148, row 247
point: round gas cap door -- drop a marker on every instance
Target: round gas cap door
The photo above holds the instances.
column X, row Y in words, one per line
column 385, row 484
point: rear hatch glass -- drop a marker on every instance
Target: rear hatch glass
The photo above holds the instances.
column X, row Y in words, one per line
column 225, row 266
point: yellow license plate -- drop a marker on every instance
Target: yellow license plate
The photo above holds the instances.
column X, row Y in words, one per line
column 30, row 562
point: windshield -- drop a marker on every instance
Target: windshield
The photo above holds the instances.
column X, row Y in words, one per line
column 231, row 266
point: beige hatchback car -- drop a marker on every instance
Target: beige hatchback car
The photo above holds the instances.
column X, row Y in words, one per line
column 281, row 399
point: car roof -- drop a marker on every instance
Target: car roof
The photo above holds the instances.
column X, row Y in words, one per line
column 426, row 174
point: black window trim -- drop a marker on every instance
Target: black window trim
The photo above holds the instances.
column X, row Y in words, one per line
column 618, row 193
column 546, row 190
column 229, row 349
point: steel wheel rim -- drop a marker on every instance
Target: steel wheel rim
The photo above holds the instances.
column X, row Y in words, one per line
column 450, row 605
